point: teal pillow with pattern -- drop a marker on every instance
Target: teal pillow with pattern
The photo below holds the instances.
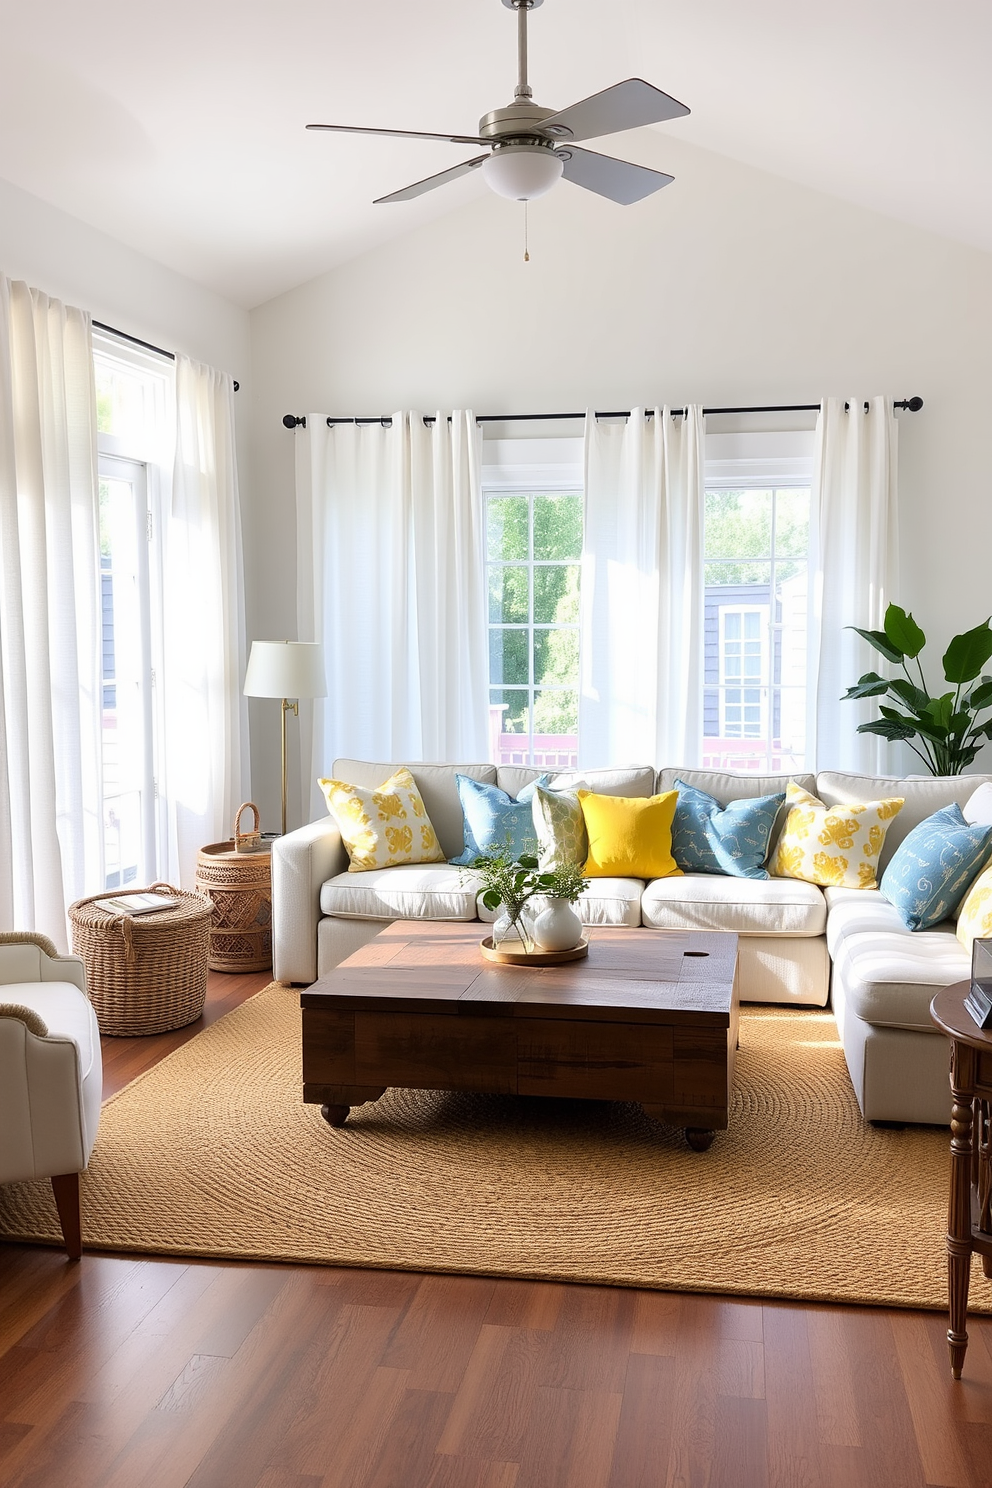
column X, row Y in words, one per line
column 494, row 822
column 934, row 866
column 731, row 839
column 560, row 827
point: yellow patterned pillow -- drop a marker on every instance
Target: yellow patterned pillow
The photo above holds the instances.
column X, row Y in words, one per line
column 383, row 827
column 832, row 845
column 975, row 914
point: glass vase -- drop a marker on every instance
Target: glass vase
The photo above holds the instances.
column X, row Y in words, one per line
column 512, row 932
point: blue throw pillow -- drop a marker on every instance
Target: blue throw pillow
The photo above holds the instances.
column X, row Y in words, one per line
column 494, row 822
column 733, row 839
column 933, row 867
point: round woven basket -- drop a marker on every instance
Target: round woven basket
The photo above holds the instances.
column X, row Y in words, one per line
column 144, row 973
column 239, row 885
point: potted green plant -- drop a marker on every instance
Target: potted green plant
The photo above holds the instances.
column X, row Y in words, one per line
column 948, row 726
column 509, row 884
column 557, row 927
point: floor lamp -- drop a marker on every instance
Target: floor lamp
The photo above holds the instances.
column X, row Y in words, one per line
column 286, row 670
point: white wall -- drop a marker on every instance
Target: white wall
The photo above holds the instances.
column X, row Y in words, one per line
column 729, row 287
column 74, row 262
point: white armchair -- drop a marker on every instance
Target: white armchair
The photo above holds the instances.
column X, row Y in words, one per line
column 51, row 1072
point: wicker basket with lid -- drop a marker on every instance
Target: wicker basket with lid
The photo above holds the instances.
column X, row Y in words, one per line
column 239, row 885
column 144, row 973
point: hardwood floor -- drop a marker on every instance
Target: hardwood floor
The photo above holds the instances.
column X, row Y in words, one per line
column 117, row 1372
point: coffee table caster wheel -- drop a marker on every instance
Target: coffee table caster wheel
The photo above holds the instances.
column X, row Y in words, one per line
column 699, row 1137
column 335, row 1115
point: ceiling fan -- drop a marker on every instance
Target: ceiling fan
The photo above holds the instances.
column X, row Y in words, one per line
column 531, row 148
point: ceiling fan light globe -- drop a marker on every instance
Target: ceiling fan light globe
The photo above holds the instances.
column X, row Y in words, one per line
column 522, row 172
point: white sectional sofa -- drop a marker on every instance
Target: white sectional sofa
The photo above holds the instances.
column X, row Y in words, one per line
column 798, row 943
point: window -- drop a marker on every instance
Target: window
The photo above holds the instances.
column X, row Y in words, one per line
column 128, row 777
column 533, row 548
column 757, row 537
column 133, row 416
column 743, row 670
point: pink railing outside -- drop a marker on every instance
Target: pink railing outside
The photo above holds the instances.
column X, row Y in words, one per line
column 736, row 754
column 549, row 751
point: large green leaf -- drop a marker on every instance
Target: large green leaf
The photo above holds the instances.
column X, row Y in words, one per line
column 887, row 729
column 980, row 697
column 939, row 709
column 968, row 653
column 880, row 641
column 914, row 697
column 870, row 685
column 903, row 632
column 895, row 715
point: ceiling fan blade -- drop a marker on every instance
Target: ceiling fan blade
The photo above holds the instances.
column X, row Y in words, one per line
column 429, row 182
column 455, row 139
column 624, row 106
column 619, row 180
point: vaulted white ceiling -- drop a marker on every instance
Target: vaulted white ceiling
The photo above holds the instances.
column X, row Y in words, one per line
column 178, row 128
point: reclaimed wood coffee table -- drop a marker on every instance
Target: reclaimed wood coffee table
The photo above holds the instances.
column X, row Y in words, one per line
column 648, row 1016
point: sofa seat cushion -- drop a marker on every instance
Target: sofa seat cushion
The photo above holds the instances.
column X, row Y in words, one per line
column 65, row 1012
column 607, row 901
column 407, row 892
column 887, row 974
column 749, row 906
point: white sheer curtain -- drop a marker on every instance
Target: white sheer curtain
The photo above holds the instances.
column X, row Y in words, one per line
column 391, row 578
column 642, row 590
column 854, row 565
column 204, row 713
column 51, row 808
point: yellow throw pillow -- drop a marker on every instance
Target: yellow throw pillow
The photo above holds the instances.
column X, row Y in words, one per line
column 629, row 836
column 832, row 845
column 975, row 914
column 383, row 827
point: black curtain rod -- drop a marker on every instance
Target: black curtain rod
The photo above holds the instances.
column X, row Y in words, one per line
column 294, row 421
column 137, row 341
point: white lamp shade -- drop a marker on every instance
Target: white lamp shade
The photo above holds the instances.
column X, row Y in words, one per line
column 286, row 669
column 522, row 172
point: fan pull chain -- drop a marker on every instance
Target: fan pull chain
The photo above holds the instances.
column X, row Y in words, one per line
column 526, row 248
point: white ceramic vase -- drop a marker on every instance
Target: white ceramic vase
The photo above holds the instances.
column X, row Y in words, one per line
column 557, row 927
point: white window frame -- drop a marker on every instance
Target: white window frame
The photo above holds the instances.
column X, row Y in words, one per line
column 145, row 460
column 744, row 682
column 530, row 467
column 765, row 461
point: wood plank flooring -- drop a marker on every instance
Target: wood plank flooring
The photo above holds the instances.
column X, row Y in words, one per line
column 121, row 1372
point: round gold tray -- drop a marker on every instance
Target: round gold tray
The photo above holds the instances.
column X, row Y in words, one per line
column 532, row 958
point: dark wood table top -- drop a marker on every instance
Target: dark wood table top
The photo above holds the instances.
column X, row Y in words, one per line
column 949, row 1013
column 651, row 976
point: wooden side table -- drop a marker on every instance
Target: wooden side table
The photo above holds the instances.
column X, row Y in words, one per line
column 969, row 1207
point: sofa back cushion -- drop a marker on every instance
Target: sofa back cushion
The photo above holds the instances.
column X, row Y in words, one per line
column 629, row 780
column 921, row 798
column 731, row 785
column 736, row 785
column 436, row 784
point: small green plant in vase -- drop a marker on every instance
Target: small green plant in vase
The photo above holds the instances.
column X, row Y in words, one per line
column 509, row 884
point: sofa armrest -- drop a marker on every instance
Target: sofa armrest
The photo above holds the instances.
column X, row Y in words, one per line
column 301, row 862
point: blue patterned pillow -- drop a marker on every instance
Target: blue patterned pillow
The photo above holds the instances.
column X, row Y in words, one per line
column 933, row 867
column 733, row 839
column 494, row 822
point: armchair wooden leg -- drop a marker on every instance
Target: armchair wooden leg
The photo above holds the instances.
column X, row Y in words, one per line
column 66, row 1190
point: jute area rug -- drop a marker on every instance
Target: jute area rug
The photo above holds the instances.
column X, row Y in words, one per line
column 212, row 1153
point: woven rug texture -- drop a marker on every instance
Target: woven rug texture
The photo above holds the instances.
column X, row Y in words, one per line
column 213, row 1153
